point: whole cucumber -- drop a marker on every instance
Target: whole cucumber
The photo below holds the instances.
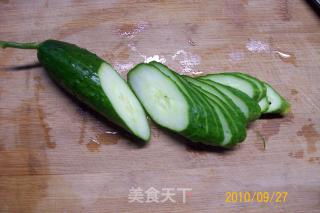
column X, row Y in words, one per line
column 91, row 80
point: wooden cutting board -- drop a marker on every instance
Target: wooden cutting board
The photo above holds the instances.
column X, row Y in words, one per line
column 58, row 156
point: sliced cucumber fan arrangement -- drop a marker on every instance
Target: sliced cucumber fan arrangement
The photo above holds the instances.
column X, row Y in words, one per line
column 214, row 109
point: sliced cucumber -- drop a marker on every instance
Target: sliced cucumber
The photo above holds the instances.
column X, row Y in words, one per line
column 124, row 101
column 277, row 103
column 171, row 107
column 229, row 132
column 162, row 98
column 263, row 100
column 260, row 85
column 247, row 105
column 237, row 82
column 225, row 99
column 212, row 116
column 231, row 117
column 209, row 115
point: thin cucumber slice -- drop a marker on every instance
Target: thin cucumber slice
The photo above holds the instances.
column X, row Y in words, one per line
column 277, row 103
column 247, row 105
column 196, row 103
column 228, row 134
column 170, row 106
column 235, row 81
column 260, row 85
column 209, row 116
column 263, row 100
column 233, row 121
column 124, row 101
column 225, row 99
column 161, row 97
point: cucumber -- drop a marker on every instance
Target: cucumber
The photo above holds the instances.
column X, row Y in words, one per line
column 247, row 105
column 260, row 85
column 213, row 114
column 263, row 100
column 91, row 80
column 230, row 131
column 195, row 104
column 278, row 105
column 233, row 121
column 175, row 106
column 237, row 82
column 222, row 97
column 201, row 101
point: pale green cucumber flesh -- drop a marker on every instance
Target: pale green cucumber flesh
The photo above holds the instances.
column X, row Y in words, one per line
column 236, row 82
column 124, row 101
column 260, row 85
column 264, row 104
column 161, row 97
column 206, row 127
column 247, row 105
column 225, row 99
column 199, row 120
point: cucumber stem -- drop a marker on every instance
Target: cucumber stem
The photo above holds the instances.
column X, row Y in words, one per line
column 32, row 45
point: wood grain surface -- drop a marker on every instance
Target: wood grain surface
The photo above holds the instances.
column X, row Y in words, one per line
column 58, row 156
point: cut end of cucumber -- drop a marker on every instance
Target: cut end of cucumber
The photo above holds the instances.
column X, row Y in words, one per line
column 160, row 96
column 124, row 101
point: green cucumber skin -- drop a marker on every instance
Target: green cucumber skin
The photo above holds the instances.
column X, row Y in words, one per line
column 225, row 99
column 262, row 88
column 254, row 109
column 212, row 105
column 197, row 130
column 233, row 115
column 76, row 70
column 214, row 135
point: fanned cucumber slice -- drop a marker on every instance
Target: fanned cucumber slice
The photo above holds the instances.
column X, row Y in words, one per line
column 237, row 82
column 229, row 131
column 161, row 97
column 225, row 99
column 277, row 103
column 263, row 100
column 205, row 114
column 171, row 107
column 212, row 115
column 260, row 85
column 247, row 105
column 233, row 121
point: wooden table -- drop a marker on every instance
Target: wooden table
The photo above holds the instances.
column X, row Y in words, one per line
column 58, row 156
